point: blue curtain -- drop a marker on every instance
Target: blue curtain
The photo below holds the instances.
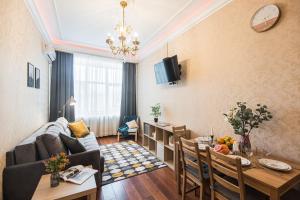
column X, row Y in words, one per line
column 62, row 86
column 128, row 99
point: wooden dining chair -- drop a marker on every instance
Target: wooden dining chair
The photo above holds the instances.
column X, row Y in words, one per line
column 192, row 167
column 179, row 131
column 226, row 178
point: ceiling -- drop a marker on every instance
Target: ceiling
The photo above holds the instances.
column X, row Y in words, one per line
column 83, row 25
column 89, row 23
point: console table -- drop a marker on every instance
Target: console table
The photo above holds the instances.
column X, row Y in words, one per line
column 156, row 140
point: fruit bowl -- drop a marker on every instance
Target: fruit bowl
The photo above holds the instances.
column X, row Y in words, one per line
column 226, row 140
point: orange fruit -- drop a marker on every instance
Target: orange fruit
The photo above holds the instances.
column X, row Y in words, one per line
column 221, row 140
column 225, row 149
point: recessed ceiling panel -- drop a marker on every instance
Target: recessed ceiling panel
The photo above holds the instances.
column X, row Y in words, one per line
column 89, row 21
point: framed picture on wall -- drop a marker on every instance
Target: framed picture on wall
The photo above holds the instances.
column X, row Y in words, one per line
column 37, row 78
column 30, row 75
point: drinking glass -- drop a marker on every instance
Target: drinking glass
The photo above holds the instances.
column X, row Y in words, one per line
column 211, row 136
column 248, row 152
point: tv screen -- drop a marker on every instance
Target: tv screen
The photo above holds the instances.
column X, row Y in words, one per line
column 167, row 71
column 160, row 73
column 172, row 68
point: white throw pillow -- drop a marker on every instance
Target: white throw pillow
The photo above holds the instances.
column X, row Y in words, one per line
column 132, row 124
column 89, row 142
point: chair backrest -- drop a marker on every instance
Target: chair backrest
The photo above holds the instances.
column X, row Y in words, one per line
column 190, row 157
column 179, row 131
column 231, row 167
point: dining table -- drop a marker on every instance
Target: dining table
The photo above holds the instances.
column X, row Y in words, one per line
column 268, row 181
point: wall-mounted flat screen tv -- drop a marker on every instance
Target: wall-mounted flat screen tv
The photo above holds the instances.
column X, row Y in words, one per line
column 167, row 71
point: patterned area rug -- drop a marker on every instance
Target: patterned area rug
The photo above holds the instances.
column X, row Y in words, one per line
column 127, row 159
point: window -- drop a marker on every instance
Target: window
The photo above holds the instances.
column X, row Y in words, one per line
column 97, row 86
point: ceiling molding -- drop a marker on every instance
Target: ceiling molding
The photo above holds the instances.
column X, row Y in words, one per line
column 168, row 22
column 72, row 47
column 45, row 16
column 57, row 18
column 37, row 20
column 190, row 17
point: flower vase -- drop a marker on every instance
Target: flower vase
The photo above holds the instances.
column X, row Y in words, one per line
column 155, row 119
column 244, row 144
column 54, row 179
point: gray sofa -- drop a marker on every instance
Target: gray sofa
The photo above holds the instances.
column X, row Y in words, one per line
column 25, row 163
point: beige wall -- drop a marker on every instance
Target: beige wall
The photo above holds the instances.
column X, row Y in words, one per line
column 226, row 61
column 22, row 109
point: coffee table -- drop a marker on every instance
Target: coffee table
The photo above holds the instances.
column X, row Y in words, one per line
column 65, row 190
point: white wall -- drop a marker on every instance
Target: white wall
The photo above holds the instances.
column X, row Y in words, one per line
column 22, row 109
column 225, row 62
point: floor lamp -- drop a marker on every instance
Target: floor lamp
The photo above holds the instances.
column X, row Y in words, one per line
column 71, row 102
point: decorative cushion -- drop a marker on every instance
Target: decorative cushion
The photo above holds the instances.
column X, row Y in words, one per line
column 132, row 124
column 53, row 144
column 79, row 128
column 72, row 144
column 89, row 142
column 42, row 151
column 25, row 153
column 63, row 122
column 54, row 129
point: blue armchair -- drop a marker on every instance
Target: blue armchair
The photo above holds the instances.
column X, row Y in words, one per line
column 125, row 131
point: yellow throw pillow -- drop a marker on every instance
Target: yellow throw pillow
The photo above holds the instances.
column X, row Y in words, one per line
column 79, row 129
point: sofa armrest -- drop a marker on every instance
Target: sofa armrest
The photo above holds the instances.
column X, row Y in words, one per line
column 89, row 158
column 20, row 181
column 10, row 158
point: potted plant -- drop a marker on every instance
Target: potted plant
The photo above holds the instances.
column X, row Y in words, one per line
column 155, row 112
column 244, row 120
column 54, row 165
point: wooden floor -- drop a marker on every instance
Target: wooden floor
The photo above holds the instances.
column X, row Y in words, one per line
column 159, row 184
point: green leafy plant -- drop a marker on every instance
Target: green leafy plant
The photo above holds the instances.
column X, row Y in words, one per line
column 155, row 110
column 244, row 119
column 56, row 163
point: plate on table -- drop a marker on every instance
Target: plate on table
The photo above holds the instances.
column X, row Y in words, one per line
column 275, row 164
column 244, row 161
column 203, row 139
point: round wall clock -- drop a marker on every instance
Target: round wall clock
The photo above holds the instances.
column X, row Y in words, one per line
column 265, row 18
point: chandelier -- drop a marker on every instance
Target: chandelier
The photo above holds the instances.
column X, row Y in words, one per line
column 128, row 43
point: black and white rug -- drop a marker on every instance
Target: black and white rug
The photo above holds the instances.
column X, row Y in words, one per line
column 127, row 159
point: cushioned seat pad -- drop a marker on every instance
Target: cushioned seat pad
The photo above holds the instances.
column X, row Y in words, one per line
column 194, row 171
column 251, row 194
column 132, row 130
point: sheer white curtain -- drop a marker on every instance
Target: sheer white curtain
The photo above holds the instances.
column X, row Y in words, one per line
column 97, row 88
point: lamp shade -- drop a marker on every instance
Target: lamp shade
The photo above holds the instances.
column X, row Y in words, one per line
column 72, row 101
